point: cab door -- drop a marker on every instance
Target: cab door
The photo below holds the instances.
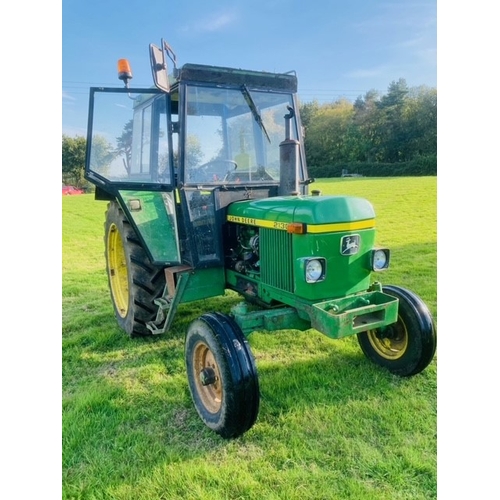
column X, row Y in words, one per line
column 130, row 159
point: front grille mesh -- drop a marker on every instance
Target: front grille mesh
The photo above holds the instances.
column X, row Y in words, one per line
column 276, row 259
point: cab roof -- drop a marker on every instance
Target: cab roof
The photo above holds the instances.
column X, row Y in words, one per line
column 253, row 79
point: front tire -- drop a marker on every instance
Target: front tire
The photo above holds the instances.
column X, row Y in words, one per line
column 134, row 282
column 221, row 374
column 406, row 347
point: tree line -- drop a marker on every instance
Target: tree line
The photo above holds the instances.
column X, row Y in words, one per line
column 376, row 135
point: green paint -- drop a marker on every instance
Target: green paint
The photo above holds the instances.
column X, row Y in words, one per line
column 334, row 318
column 153, row 214
column 305, row 209
column 358, row 313
column 345, row 274
column 251, row 320
column 204, row 283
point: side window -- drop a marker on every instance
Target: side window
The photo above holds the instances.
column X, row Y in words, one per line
column 139, row 163
column 129, row 139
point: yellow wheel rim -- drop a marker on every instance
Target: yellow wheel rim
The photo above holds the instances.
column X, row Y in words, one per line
column 390, row 343
column 204, row 361
column 117, row 269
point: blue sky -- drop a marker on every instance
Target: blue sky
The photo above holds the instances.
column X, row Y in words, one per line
column 338, row 48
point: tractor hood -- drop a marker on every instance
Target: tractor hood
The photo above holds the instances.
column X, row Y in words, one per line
column 309, row 210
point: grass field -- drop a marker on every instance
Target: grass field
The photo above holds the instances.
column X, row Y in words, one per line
column 331, row 425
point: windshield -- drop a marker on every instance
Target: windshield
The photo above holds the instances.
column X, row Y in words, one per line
column 233, row 135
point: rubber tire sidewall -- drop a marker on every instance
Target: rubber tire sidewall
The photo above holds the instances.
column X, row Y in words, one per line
column 146, row 282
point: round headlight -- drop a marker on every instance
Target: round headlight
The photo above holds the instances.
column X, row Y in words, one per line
column 314, row 270
column 379, row 260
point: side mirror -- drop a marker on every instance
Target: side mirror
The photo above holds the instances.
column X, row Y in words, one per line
column 159, row 68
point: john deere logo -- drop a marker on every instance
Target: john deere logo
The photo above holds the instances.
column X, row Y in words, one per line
column 349, row 245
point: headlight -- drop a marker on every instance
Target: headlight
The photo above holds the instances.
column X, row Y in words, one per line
column 315, row 270
column 380, row 259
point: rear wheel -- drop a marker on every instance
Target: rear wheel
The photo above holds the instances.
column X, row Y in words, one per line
column 134, row 282
column 406, row 347
column 222, row 376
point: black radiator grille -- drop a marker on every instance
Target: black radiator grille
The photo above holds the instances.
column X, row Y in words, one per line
column 276, row 265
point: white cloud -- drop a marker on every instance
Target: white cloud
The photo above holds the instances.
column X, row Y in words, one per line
column 212, row 24
column 412, row 42
column 428, row 56
column 366, row 73
column 399, row 16
column 67, row 96
column 219, row 22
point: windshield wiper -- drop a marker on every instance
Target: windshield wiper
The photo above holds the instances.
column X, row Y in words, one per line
column 253, row 108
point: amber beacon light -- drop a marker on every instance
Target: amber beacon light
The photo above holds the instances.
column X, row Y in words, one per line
column 124, row 71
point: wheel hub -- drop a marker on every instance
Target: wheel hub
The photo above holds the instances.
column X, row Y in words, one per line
column 390, row 342
column 208, row 376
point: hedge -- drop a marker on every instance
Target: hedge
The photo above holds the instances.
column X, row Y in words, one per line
column 424, row 165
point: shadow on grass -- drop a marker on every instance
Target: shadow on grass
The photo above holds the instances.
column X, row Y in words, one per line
column 138, row 406
column 127, row 407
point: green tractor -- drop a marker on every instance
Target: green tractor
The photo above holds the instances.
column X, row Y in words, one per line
column 206, row 178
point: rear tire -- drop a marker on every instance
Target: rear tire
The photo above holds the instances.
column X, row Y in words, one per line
column 134, row 282
column 222, row 376
column 406, row 347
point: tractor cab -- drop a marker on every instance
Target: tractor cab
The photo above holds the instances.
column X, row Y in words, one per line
column 205, row 137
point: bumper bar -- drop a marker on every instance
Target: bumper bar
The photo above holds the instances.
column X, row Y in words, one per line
column 342, row 317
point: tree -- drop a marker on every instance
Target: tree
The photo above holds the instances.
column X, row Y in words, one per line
column 367, row 123
column 308, row 111
column 395, row 133
column 73, row 158
column 124, row 145
column 396, row 94
column 327, row 138
column 421, row 118
column 194, row 153
column 102, row 155
column 400, row 126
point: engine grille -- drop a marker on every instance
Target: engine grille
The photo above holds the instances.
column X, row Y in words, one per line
column 276, row 259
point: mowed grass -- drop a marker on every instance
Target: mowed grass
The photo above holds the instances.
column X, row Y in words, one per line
column 331, row 424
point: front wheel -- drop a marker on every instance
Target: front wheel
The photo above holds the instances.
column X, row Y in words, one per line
column 406, row 347
column 221, row 374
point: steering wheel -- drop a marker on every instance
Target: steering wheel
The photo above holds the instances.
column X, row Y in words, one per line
column 213, row 170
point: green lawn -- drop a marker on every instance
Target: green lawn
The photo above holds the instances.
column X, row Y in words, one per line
column 331, row 424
